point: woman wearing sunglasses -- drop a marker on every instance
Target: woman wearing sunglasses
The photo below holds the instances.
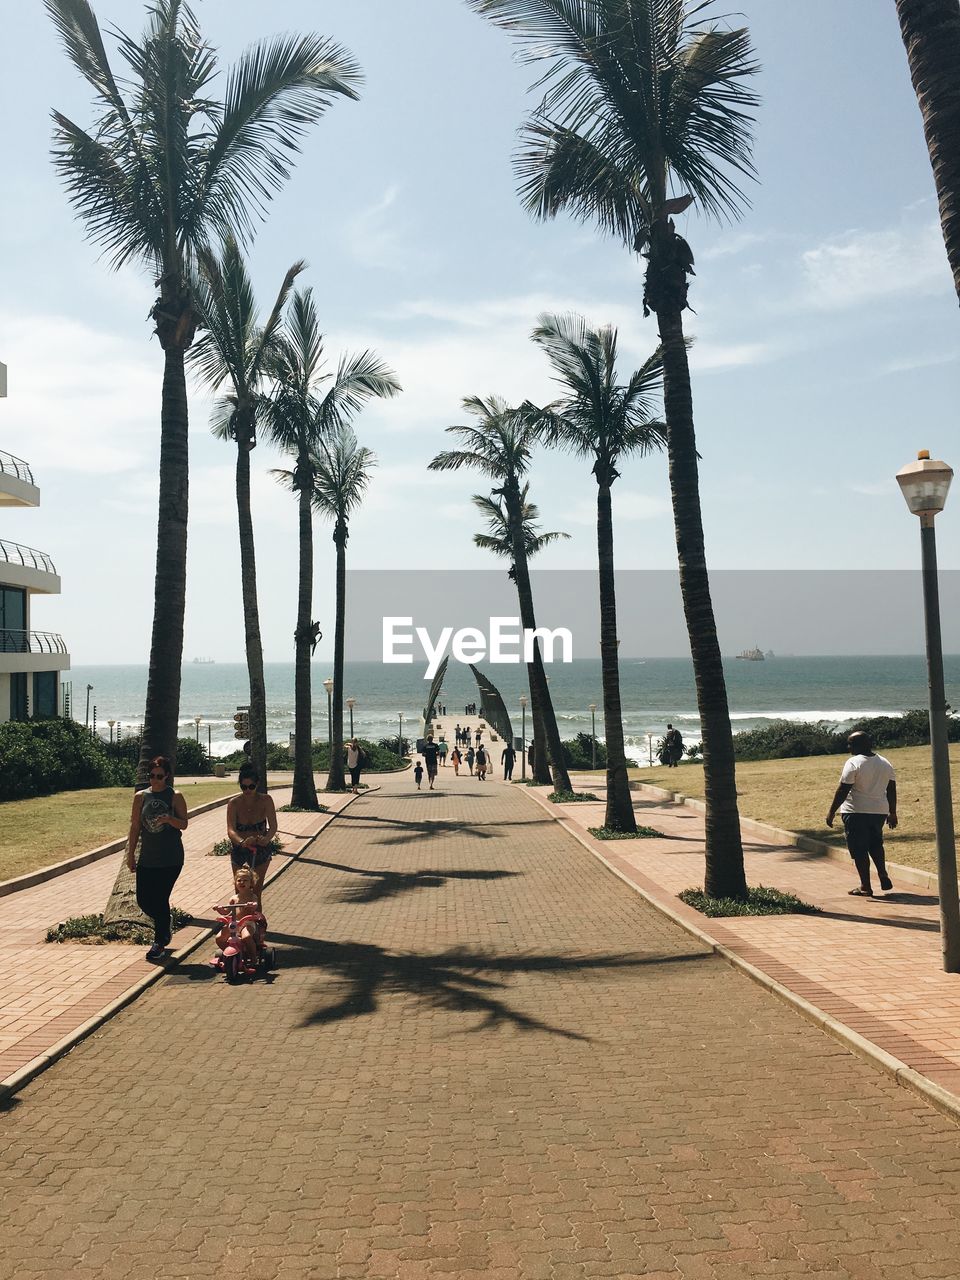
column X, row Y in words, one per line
column 158, row 818
column 251, row 826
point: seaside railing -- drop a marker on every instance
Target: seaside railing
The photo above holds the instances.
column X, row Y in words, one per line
column 14, row 553
column 14, row 641
column 11, row 465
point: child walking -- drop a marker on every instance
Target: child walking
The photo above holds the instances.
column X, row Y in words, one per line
column 418, row 774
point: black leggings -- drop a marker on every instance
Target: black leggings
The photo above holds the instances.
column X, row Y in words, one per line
column 154, row 886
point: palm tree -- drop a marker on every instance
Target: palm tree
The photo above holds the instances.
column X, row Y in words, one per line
column 235, row 348
column 500, row 447
column 499, row 538
column 931, row 35
column 599, row 419
column 165, row 170
column 301, row 415
column 647, row 111
column 342, row 470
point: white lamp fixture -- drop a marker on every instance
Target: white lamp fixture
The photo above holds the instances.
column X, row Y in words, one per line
column 328, row 685
column 925, row 484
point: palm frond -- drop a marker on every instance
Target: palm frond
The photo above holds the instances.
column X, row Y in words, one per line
column 359, row 378
column 342, row 470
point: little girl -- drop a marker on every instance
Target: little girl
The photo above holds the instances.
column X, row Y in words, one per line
column 252, row 927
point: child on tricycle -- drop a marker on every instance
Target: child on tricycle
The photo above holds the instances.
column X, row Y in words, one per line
column 241, row 940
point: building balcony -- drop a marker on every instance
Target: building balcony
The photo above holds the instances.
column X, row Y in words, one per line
column 27, row 567
column 32, row 651
column 17, row 487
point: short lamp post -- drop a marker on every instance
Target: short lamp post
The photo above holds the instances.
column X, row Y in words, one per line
column 196, row 721
column 111, row 723
column 400, row 735
column 351, row 703
column 523, row 736
column 328, row 685
column 593, row 735
column 925, row 484
column 89, row 691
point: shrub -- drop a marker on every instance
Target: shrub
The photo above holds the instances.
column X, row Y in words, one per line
column 578, row 753
column 223, row 847
column 782, row 738
column 641, row 833
column 192, row 758
column 759, row 901
column 379, row 758
column 92, row 930
column 40, row 757
column 570, row 797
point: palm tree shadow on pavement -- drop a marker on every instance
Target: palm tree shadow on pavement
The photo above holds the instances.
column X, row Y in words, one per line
column 389, row 884
column 410, row 832
column 458, row 980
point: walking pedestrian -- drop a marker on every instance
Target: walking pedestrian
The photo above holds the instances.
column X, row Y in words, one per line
column 355, row 762
column 430, row 751
column 443, row 748
column 158, row 818
column 470, row 757
column 479, row 736
column 673, row 746
column 866, row 798
column 455, row 759
column 418, row 774
column 482, row 763
column 507, row 758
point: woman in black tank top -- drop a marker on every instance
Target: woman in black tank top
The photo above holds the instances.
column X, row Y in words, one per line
column 159, row 817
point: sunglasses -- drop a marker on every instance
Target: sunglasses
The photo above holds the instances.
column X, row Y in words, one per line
column 158, row 775
column 248, row 786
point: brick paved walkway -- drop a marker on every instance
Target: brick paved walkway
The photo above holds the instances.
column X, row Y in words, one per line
column 482, row 1056
column 874, row 964
column 50, row 991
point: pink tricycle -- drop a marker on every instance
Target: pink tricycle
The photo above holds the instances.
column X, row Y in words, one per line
column 243, row 921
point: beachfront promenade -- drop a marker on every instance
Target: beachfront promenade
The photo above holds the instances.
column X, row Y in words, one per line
column 482, row 1055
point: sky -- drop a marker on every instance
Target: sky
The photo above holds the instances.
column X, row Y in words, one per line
column 825, row 323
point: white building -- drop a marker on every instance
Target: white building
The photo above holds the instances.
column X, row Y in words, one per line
column 31, row 662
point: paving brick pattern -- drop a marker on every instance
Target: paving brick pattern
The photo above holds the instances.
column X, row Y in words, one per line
column 874, row 964
column 482, row 1056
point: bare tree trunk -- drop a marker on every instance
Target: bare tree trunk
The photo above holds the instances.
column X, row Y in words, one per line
column 304, row 787
column 251, row 614
column 619, row 813
column 336, row 780
column 931, row 36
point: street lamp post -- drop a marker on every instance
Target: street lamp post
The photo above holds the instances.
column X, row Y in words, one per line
column 87, row 720
column 924, row 484
column 400, row 736
column 111, row 723
column 523, row 736
column 351, row 703
column 328, row 685
column 196, row 721
column 209, row 739
column 593, row 734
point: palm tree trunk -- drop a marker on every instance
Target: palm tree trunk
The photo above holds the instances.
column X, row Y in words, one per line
column 251, row 615
column 619, row 814
column 724, row 874
column 539, row 689
column 304, row 788
column 540, row 773
column 162, row 712
column 336, row 780
column 931, row 35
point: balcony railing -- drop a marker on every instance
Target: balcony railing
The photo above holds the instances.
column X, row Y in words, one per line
column 13, row 553
column 13, row 466
column 12, row 641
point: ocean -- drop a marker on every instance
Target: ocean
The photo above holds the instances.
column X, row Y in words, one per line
column 839, row 690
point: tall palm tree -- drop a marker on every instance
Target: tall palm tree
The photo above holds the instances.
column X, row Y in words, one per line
column 234, row 348
column 646, row 111
column 600, row 419
column 342, row 470
column 500, row 447
column 931, row 35
column 302, row 413
column 499, row 538
column 165, row 170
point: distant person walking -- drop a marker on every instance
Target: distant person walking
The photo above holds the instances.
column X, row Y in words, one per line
column 479, row 736
column 355, row 763
column 455, row 759
column 482, row 763
column 158, row 818
column 508, row 758
column 470, row 757
column 430, row 751
column 866, row 798
column 673, row 747
column 443, row 749
column 466, row 735
column 418, row 774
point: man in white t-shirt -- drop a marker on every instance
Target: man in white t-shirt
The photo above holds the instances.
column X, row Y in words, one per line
column 866, row 799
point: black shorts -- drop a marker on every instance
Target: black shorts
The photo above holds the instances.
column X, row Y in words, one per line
column 355, row 776
column 864, row 833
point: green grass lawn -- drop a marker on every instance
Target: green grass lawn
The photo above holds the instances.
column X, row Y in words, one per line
column 35, row 833
column 795, row 795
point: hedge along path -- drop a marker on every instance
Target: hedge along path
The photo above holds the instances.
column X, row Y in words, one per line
column 49, row 990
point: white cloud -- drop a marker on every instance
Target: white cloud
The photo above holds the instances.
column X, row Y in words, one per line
column 376, row 237
column 907, row 363
column 860, row 267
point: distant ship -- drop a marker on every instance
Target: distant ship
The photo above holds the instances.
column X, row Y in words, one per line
column 203, row 662
column 751, row 655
